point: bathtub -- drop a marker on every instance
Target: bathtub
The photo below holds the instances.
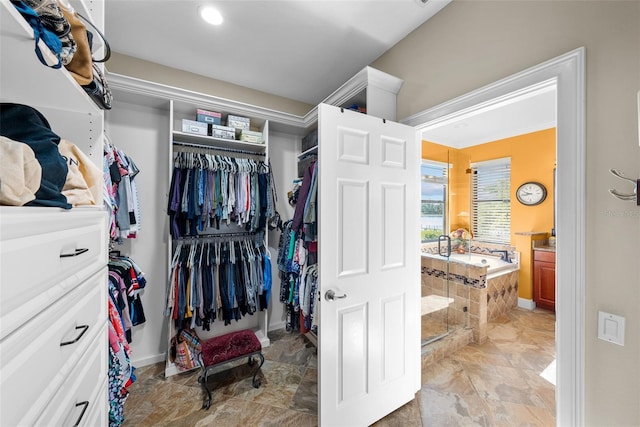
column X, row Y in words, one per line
column 494, row 264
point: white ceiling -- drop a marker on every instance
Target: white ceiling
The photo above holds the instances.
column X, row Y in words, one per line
column 531, row 111
column 302, row 50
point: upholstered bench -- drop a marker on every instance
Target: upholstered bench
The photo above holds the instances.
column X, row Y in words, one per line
column 228, row 348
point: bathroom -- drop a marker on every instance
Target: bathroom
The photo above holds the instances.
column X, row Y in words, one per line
column 475, row 271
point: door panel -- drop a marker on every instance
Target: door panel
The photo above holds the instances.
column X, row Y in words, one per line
column 353, row 215
column 393, row 316
column 369, row 253
column 393, row 225
column 353, row 333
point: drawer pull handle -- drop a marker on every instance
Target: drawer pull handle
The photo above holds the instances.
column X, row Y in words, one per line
column 84, row 329
column 75, row 253
column 86, row 405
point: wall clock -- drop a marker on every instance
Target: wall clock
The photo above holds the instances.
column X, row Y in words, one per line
column 531, row 193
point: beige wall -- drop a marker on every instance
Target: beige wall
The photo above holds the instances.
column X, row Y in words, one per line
column 138, row 68
column 470, row 44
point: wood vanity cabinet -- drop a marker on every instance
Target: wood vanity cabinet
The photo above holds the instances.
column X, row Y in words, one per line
column 544, row 279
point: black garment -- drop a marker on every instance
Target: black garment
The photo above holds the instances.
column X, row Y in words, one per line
column 27, row 125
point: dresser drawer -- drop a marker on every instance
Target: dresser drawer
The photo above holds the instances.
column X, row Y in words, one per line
column 37, row 270
column 38, row 357
column 98, row 413
column 84, row 389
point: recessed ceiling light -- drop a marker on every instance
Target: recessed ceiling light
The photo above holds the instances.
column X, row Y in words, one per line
column 210, row 14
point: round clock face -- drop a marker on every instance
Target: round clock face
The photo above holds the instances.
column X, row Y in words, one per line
column 531, row 193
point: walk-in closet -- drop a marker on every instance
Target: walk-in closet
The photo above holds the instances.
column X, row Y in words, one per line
column 215, row 229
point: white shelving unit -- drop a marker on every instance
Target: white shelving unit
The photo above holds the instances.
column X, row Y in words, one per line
column 24, row 80
column 371, row 89
column 179, row 110
column 53, row 276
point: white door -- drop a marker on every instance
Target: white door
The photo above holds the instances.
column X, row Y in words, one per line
column 369, row 256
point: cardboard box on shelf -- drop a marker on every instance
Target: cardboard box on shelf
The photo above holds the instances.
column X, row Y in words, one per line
column 304, row 163
column 251, row 136
column 239, row 122
column 223, row 132
column 310, row 140
column 206, row 116
column 198, row 128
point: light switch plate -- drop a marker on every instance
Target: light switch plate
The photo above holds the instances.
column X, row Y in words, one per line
column 611, row 328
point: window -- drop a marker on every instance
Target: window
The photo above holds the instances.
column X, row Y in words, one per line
column 434, row 196
column 491, row 200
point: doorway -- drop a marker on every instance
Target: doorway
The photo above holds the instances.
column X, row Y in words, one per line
column 567, row 73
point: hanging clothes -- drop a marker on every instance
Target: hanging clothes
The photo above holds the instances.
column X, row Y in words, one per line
column 121, row 193
column 129, row 280
column 297, row 256
column 217, row 278
column 209, row 190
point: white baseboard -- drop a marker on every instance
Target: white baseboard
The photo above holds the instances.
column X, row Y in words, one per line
column 277, row 325
column 146, row 361
column 528, row 304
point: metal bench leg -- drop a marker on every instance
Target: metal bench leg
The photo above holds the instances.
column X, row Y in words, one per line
column 203, row 382
column 256, row 382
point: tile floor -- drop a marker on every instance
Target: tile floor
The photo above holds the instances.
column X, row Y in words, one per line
column 498, row 383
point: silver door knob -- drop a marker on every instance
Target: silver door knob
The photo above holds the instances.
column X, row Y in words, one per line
column 330, row 295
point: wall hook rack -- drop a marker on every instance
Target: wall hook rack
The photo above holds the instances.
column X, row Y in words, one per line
column 626, row 196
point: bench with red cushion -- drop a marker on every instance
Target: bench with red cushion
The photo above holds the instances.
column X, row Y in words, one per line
column 228, row 348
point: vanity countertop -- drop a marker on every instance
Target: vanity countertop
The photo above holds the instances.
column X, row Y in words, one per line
column 546, row 248
column 531, row 233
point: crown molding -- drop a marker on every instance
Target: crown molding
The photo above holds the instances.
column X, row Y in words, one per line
column 131, row 89
column 138, row 91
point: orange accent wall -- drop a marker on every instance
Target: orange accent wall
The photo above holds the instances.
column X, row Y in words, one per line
column 533, row 158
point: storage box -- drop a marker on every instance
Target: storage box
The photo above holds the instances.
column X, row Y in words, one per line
column 238, row 122
column 223, row 132
column 251, row 136
column 310, row 141
column 199, row 128
column 303, row 164
column 212, row 117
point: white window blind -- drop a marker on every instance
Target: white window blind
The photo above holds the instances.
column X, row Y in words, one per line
column 433, row 206
column 491, row 200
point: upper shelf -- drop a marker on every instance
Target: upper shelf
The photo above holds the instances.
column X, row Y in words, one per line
column 217, row 142
column 24, row 80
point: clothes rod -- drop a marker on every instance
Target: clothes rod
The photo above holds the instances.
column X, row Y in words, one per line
column 211, row 147
column 215, row 236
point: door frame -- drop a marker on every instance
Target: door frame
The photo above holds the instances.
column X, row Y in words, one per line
column 567, row 72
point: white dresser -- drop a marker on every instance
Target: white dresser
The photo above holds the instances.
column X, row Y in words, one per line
column 53, row 274
column 53, row 331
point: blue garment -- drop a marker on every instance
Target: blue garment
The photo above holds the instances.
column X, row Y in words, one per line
column 267, row 274
column 49, row 38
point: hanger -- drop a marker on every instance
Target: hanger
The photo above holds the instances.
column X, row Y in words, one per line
column 626, row 196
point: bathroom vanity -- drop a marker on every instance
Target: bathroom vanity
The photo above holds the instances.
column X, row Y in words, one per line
column 544, row 276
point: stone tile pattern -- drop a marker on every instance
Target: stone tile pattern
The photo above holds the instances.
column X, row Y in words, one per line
column 476, row 299
column 288, row 395
column 497, row 383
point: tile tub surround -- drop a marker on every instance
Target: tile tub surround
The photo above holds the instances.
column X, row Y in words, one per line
column 482, row 248
column 484, row 299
